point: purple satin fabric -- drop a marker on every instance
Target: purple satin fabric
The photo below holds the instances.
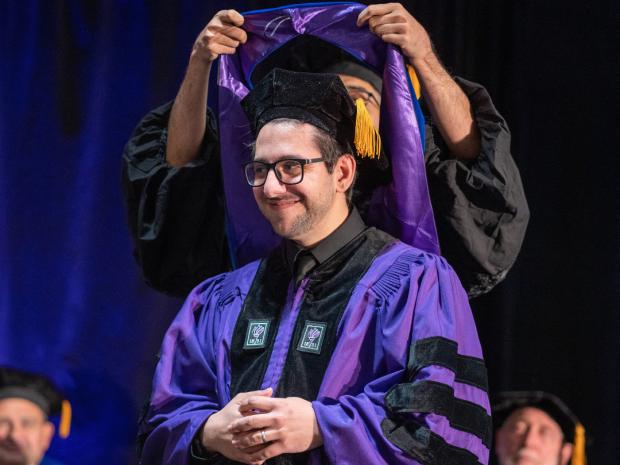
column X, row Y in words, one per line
column 288, row 318
column 436, row 305
column 402, row 208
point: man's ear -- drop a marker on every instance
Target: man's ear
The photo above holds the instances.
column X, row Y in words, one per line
column 48, row 434
column 500, row 441
column 345, row 172
column 565, row 453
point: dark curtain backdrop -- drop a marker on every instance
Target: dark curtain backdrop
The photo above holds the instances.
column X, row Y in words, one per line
column 77, row 76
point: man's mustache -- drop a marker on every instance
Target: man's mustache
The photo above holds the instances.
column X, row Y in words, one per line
column 287, row 198
column 527, row 453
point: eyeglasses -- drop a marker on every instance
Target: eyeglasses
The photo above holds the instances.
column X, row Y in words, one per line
column 367, row 97
column 288, row 170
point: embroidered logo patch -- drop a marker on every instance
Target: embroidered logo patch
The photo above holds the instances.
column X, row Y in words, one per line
column 256, row 337
column 312, row 337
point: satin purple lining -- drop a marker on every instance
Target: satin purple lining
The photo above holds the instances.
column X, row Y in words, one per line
column 282, row 343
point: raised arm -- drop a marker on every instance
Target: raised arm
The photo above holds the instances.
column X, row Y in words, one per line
column 172, row 176
column 448, row 104
column 480, row 207
column 187, row 123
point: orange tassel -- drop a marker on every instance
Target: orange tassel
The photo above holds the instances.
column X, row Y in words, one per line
column 367, row 138
column 579, row 448
column 64, row 428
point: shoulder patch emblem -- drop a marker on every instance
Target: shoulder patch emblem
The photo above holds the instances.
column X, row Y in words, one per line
column 256, row 336
column 312, row 337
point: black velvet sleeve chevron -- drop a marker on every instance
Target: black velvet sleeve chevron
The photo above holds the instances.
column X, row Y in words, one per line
column 433, row 397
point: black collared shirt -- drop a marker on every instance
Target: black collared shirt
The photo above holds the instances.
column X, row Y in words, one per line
column 301, row 261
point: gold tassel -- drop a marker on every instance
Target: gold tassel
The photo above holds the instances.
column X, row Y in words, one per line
column 579, row 448
column 367, row 138
column 414, row 81
column 65, row 419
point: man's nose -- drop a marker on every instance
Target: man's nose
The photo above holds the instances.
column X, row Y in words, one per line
column 8, row 429
column 273, row 186
column 530, row 438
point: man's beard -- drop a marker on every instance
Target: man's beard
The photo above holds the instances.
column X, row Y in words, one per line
column 305, row 221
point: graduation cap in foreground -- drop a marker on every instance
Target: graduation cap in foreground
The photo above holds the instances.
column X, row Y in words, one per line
column 40, row 391
column 508, row 401
column 315, row 98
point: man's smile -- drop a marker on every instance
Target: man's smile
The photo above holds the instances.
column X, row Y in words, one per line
column 281, row 204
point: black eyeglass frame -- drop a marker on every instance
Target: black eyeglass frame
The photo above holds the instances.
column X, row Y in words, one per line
column 369, row 96
column 272, row 166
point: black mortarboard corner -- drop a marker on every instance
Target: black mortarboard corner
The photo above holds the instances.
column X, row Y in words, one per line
column 508, row 401
column 40, row 391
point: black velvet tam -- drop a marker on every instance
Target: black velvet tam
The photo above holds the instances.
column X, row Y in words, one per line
column 30, row 386
column 314, row 98
column 509, row 401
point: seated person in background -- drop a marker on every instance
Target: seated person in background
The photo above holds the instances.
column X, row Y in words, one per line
column 172, row 166
column 342, row 346
column 536, row 428
column 27, row 400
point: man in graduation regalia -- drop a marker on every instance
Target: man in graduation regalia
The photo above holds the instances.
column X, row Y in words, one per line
column 537, row 428
column 344, row 345
column 190, row 222
column 27, row 401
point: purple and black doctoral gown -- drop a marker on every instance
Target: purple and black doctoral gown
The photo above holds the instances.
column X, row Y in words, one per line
column 398, row 376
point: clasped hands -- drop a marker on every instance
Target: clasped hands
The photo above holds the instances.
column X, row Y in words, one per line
column 254, row 427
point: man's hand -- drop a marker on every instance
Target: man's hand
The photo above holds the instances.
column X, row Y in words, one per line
column 394, row 25
column 222, row 35
column 217, row 437
column 285, row 425
column 188, row 120
column 449, row 106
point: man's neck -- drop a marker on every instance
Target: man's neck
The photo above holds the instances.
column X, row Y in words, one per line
column 325, row 249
